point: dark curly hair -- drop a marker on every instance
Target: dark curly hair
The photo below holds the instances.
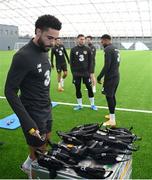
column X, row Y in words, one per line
column 48, row 21
column 106, row 36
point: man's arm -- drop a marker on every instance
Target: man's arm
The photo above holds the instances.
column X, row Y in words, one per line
column 94, row 52
column 71, row 59
column 93, row 59
column 66, row 55
column 107, row 62
column 90, row 61
column 18, row 70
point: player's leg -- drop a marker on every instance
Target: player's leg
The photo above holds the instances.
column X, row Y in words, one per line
column 110, row 91
column 43, row 119
column 94, row 82
column 111, row 101
column 87, row 82
column 111, row 107
column 65, row 73
column 77, row 83
column 34, row 144
column 26, row 166
column 59, row 77
column 108, row 116
column 115, row 102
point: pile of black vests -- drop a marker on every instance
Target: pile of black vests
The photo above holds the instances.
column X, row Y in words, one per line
column 92, row 143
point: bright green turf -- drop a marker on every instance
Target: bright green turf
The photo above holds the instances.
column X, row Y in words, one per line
column 134, row 92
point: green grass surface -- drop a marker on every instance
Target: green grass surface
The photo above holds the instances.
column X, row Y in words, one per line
column 134, row 92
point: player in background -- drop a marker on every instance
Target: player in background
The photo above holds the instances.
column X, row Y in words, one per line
column 61, row 66
column 81, row 64
column 110, row 73
column 93, row 52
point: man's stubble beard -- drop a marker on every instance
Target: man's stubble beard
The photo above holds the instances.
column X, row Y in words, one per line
column 42, row 45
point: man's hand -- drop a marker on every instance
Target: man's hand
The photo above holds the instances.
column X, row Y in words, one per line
column 35, row 133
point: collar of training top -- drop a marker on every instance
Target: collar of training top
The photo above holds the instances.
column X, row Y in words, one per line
column 107, row 45
column 35, row 46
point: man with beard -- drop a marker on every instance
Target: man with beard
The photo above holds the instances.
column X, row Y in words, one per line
column 60, row 53
column 81, row 63
column 110, row 72
column 30, row 73
column 93, row 52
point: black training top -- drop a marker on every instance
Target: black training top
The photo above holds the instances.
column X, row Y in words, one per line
column 59, row 52
column 29, row 73
column 93, row 53
column 81, row 61
column 111, row 63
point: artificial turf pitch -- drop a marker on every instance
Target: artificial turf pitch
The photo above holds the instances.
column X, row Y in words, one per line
column 134, row 92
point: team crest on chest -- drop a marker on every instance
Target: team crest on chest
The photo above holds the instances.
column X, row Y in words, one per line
column 77, row 53
column 84, row 52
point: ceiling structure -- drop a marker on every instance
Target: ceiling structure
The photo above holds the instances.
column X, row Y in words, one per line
column 128, row 18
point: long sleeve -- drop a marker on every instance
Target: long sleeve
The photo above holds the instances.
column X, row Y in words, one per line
column 66, row 55
column 18, row 70
column 94, row 53
column 90, row 61
column 107, row 62
column 71, row 60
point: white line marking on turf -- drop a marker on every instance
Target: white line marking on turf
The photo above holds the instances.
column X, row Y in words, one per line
column 2, row 97
column 101, row 107
column 104, row 107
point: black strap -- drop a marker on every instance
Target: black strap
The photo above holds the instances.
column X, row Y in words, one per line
column 69, row 139
column 87, row 127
